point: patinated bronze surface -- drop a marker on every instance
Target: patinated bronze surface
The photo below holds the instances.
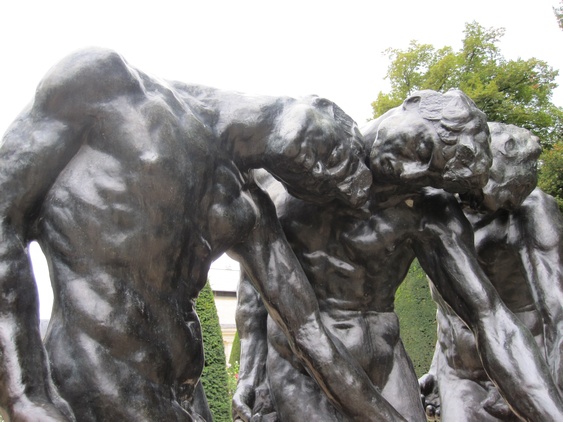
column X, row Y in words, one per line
column 133, row 186
column 356, row 259
column 518, row 238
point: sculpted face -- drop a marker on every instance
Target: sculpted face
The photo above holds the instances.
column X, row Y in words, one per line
column 318, row 154
column 433, row 139
column 513, row 175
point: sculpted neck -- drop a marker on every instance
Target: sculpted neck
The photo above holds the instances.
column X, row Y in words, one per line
column 387, row 195
column 246, row 126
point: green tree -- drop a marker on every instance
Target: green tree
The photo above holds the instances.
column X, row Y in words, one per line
column 551, row 170
column 510, row 91
column 559, row 14
column 214, row 377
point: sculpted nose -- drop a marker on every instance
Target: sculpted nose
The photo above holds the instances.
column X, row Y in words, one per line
column 535, row 147
column 467, row 146
column 355, row 188
column 472, row 155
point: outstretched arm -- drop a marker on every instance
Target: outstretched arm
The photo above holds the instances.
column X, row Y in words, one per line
column 32, row 154
column 277, row 275
column 251, row 318
column 429, row 386
column 507, row 349
column 541, row 252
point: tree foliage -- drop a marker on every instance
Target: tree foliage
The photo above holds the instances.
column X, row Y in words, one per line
column 509, row 91
column 551, row 170
column 214, row 377
column 559, row 14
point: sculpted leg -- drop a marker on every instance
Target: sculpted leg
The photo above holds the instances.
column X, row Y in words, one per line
column 463, row 400
column 296, row 396
column 100, row 387
column 402, row 389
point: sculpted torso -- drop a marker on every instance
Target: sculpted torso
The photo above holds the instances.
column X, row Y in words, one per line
column 133, row 186
column 131, row 271
column 355, row 260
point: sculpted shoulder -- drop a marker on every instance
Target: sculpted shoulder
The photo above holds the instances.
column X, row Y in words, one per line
column 440, row 213
column 86, row 78
column 542, row 220
column 233, row 210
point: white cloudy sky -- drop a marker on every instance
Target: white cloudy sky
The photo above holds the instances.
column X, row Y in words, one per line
column 330, row 48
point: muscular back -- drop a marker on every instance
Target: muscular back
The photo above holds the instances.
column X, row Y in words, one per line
column 130, row 227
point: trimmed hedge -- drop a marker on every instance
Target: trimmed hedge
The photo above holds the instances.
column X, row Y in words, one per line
column 234, row 358
column 214, row 377
column 417, row 315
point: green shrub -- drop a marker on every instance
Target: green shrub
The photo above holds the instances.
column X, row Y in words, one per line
column 235, row 350
column 232, row 372
column 233, row 367
column 214, row 377
column 417, row 315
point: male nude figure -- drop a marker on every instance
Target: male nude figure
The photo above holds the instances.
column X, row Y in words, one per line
column 518, row 237
column 133, row 186
column 356, row 259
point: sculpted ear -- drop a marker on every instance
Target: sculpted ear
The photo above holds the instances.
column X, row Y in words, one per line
column 429, row 104
column 412, row 102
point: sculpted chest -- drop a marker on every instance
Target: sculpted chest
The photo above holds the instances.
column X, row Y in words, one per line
column 381, row 236
column 350, row 244
column 498, row 245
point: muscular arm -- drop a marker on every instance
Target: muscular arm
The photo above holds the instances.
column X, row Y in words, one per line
column 251, row 318
column 508, row 352
column 541, row 252
column 33, row 152
column 275, row 272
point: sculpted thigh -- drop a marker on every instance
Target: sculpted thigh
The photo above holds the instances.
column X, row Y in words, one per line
column 370, row 338
column 296, row 396
column 461, row 399
column 100, row 388
column 401, row 389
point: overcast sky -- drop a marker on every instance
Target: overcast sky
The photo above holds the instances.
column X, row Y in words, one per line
column 329, row 48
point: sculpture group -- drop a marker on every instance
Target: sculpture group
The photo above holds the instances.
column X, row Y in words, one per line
column 133, row 186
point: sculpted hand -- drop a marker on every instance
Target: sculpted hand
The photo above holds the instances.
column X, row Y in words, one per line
column 497, row 406
column 429, row 394
column 243, row 399
column 263, row 409
column 253, row 404
column 25, row 410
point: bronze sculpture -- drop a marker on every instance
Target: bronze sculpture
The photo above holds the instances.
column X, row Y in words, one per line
column 133, row 186
column 356, row 259
column 518, row 237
